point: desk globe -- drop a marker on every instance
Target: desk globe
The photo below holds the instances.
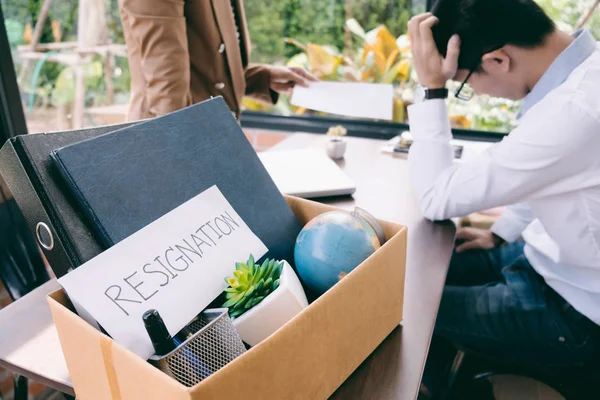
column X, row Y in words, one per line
column 332, row 244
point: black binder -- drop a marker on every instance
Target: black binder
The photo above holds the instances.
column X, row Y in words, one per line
column 36, row 186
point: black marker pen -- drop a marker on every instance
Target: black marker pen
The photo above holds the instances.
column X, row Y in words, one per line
column 159, row 335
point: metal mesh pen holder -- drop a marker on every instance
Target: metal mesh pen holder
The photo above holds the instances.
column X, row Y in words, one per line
column 213, row 344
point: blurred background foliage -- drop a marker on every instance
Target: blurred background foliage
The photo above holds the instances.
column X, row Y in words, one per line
column 340, row 40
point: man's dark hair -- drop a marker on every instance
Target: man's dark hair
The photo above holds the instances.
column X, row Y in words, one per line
column 486, row 25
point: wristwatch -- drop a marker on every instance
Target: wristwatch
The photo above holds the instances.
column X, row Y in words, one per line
column 422, row 93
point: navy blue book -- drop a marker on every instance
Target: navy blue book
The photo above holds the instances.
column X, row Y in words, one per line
column 126, row 179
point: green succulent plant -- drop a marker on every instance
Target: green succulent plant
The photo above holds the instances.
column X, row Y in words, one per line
column 250, row 284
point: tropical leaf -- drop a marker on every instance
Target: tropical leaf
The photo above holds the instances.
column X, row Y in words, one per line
column 299, row 60
column 322, row 62
column 403, row 44
column 399, row 113
column 296, row 43
column 390, row 61
column 460, row 121
column 251, row 104
column 355, row 28
column 385, row 43
column 400, row 71
column 380, row 62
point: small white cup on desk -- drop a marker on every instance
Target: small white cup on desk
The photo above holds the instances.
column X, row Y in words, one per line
column 336, row 145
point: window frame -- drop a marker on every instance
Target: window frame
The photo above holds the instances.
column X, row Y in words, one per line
column 12, row 116
column 355, row 127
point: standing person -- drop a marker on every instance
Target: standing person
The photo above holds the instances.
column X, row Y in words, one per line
column 185, row 51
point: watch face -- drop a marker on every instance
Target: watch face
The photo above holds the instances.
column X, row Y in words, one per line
column 419, row 94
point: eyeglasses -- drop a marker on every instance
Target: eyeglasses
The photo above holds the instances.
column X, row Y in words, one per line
column 465, row 92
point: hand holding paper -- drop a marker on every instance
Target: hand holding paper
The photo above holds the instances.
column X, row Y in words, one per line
column 284, row 79
column 361, row 100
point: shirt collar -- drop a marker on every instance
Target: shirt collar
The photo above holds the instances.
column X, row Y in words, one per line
column 577, row 52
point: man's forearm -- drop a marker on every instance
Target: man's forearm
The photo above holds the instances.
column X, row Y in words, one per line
column 430, row 154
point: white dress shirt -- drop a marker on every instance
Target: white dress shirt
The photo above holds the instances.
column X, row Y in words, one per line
column 547, row 170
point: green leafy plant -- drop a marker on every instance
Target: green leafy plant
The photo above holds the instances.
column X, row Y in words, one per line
column 250, row 284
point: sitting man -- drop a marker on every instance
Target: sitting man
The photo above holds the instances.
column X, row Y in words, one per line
column 534, row 302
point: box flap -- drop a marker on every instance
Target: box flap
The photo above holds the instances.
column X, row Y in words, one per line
column 305, row 210
column 84, row 359
column 102, row 369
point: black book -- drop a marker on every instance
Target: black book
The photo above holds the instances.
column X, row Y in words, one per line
column 126, row 179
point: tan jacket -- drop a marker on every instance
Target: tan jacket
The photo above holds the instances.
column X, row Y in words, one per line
column 185, row 51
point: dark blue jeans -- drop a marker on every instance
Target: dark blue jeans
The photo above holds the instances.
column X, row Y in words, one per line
column 496, row 305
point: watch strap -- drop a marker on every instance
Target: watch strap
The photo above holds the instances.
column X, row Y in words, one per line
column 441, row 93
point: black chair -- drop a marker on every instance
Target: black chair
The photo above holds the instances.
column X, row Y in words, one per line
column 22, row 267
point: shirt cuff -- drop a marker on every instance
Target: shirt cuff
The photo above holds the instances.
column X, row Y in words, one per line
column 508, row 226
column 429, row 120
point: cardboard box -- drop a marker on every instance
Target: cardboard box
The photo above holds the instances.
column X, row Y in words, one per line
column 308, row 358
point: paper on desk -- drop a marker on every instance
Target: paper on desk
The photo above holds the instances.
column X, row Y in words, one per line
column 175, row 265
column 361, row 100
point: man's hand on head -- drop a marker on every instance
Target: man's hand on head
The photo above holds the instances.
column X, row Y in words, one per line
column 433, row 70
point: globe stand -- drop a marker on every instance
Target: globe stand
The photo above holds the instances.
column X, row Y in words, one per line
column 372, row 221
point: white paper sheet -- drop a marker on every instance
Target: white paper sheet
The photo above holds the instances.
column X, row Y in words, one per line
column 176, row 265
column 360, row 100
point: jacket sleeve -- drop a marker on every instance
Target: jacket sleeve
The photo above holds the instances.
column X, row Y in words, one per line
column 157, row 30
column 257, row 83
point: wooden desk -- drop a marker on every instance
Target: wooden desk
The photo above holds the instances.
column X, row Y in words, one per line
column 394, row 370
column 29, row 342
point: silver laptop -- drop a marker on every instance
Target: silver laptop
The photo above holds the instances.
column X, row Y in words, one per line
column 306, row 173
